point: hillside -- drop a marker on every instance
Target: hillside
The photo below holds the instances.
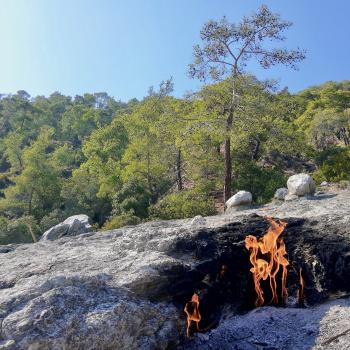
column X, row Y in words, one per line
column 162, row 157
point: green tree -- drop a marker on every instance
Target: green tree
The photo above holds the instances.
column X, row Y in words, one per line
column 36, row 189
column 147, row 157
column 225, row 52
column 103, row 151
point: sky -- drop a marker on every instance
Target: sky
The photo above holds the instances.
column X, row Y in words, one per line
column 123, row 47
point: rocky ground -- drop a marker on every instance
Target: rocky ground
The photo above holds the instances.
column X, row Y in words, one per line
column 117, row 289
column 325, row 327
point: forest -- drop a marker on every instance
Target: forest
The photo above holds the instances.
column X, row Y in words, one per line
column 165, row 157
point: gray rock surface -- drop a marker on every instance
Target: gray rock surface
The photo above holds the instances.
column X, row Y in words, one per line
column 290, row 197
column 72, row 226
column 281, row 193
column 301, row 184
column 240, row 198
column 95, row 290
column 198, row 221
column 324, row 327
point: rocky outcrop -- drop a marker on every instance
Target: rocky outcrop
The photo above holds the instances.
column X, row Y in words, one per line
column 240, row 198
column 73, row 226
column 301, row 185
column 324, row 327
column 126, row 288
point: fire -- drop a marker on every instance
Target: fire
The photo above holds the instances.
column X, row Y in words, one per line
column 301, row 288
column 223, row 271
column 267, row 255
column 192, row 311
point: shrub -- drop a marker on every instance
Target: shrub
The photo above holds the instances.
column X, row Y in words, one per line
column 132, row 198
column 51, row 219
column 184, row 204
column 124, row 219
column 18, row 230
column 343, row 184
column 334, row 165
column 261, row 182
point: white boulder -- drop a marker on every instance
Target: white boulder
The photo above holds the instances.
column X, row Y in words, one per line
column 240, row 198
column 72, row 226
column 281, row 193
column 301, row 184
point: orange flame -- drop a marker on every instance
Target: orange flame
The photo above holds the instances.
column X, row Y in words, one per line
column 301, row 288
column 192, row 311
column 274, row 248
column 223, row 271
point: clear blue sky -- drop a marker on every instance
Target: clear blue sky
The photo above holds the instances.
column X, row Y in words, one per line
column 124, row 46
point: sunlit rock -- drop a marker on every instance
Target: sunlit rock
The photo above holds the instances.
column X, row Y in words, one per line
column 240, row 198
column 73, row 226
column 290, row 197
column 301, row 184
column 198, row 221
column 281, row 193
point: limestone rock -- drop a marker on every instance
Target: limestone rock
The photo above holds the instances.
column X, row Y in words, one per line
column 281, row 193
column 301, row 184
column 240, row 198
column 290, row 197
column 323, row 327
column 126, row 289
column 198, row 221
column 73, row 226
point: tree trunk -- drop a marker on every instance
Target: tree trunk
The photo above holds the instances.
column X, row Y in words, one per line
column 228, row 163
column 227, row 146
column 344, row 136
column 179, row 171
column 149, row 173
column 256, row 150
column 30, row 202
column 32, row 233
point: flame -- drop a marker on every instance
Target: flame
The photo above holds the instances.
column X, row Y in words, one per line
column 192, row 311
column 275, row 250
column 301, row 288
column 223, row 271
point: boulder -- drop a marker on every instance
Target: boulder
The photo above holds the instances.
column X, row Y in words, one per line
column 301, row 185
column 324, row 183
column 198, row 221
column 73, row 226
column 240, row 198
column 281, row 193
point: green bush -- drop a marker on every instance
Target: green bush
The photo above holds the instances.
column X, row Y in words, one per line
column 343, row 184
column 132, row 199
column 184, row 204
column 51, row 219
column 19, row 230
column 3, row 230
column 334, row 165
column 261, row 182
column 124, row 219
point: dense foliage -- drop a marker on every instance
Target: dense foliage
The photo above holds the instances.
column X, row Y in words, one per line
column 122, row 163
